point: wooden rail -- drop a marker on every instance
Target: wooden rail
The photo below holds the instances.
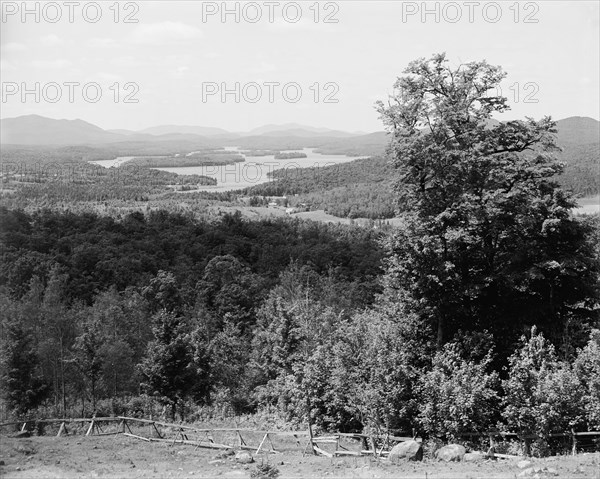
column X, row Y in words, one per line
column 526, row 438
column 161, row 431
column 180, row 434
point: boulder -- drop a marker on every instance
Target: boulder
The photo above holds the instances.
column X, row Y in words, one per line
column 474, row 457
column 244, row 457
column 538, row 471
column 452, row 452
column 407, row 450
column 225, row 454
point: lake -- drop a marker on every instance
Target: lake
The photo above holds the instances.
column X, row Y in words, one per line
column 253, row 171
column 589, row 205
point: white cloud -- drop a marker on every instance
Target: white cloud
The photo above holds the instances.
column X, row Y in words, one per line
column 7, row 66
column 13, row 47
column 130, row 61
column 101, row 42
column 51, row 64
column 304, row 25
column 264, row 67
column 108, row 77
column 165, row 33
column 51, row 40
column 180, row 71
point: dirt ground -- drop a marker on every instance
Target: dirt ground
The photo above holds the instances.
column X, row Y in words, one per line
column 124, row 457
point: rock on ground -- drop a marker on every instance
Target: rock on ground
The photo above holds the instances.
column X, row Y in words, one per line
column 452, row 452
column 474, row 457
column 225, row 454
column 524, row 464
column 538, row 472
column 244, row 457
column 408, row 450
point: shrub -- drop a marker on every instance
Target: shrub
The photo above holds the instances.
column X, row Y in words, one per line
column 457, row 395
column 542, row 395
column 264, row 471
column 587, row 370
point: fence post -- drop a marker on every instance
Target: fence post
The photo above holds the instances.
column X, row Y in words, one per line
column 492, row 449
column 373, row 446
column 90, row 429
column 574, row 442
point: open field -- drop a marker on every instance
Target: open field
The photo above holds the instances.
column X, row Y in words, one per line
column 256, row 212
column 589, row 205
column 123, row 457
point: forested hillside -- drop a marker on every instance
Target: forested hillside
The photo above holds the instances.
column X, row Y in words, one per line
column 478, row 310
column 359, row 189
column 66, row 276
column 364, row 187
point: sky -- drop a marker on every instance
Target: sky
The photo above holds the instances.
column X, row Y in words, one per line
column 240, row 65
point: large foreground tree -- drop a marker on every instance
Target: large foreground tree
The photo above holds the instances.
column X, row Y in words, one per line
column 169, row 372
column 488, row 240
column 21, row 382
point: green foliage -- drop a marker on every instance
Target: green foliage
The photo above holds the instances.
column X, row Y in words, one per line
column 581, row 171
column 201, row 158
column 358, row 189
column 289, row 155
column 98, row 252
column 23, row 387
column 295, row 319
column 377, row 364
column 229, row 288
column 118, row 366
column 88, row 354
column 487, row 240
column 587, row 371
column 264, row 471
column 168, row 370
column 542, row 394
column 163, row 293
column 458, row 395
column 291, row 346
column 228, row 356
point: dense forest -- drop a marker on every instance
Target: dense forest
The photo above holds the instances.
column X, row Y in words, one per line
column 479, row 310
column 200, row 158
column 358, row 189
column 65, row 273
column 36, row 177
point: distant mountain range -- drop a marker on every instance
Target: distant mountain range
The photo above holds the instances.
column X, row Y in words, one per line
column 578, row 136
column 39, row 130
column 578, row 129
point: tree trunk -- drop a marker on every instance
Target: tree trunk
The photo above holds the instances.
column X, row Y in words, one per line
column 440, row 332
column 94, row 395
column 62, row 377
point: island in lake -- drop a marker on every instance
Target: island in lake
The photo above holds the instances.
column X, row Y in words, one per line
column 197, row 158
column 290, row 155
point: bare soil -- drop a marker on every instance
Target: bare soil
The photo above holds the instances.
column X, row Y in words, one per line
column 124, row 457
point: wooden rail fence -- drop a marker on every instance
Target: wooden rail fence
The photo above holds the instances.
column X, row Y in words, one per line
column 158, row 431
column 339, row 444
column 526, row 438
